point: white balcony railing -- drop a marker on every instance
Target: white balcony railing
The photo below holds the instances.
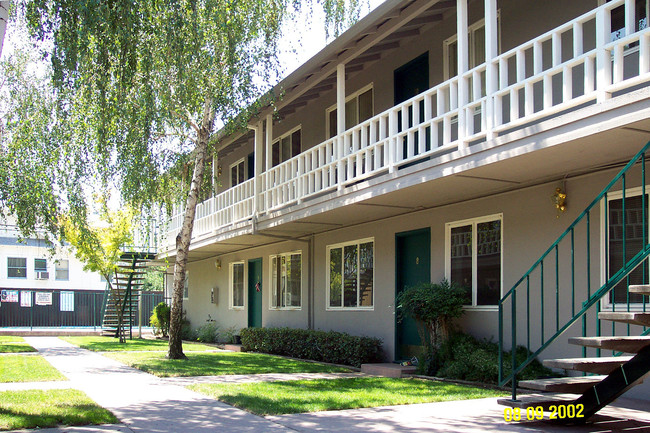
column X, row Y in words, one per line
column 543, row 77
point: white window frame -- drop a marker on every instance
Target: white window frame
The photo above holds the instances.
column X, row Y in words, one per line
column 13, row 267
column 186, row 286
column 231, row 288
column 473, row 222
column 471, row 30
column 348, row 98
column 616, row 195
column 57, row 267
column 374, row 280
column 272, row 296
column 280, row 138
column 235, row 182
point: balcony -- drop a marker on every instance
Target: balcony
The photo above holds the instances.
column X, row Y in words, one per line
column 579, row 64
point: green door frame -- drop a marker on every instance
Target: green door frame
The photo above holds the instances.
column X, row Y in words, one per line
column 255, row 293
column 425, row 235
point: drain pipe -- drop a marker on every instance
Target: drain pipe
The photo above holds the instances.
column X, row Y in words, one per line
column 310, row 287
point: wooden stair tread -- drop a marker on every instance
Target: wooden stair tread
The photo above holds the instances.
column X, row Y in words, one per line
column 603, row 365
column 569, row 385
column 632, row 318
column 631, row 344
column 641, row 289
column 536, row 400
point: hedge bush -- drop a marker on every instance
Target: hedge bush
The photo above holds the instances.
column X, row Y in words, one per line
column 333, row 347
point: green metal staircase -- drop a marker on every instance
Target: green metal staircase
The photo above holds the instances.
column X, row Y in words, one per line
column 123, row 295
column 555, row 298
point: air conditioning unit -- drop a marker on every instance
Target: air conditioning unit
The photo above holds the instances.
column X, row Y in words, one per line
column 42, row 275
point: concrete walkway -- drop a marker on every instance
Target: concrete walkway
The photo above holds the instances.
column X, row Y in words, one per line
column 145, row 403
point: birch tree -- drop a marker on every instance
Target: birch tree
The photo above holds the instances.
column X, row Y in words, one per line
column 141, row 86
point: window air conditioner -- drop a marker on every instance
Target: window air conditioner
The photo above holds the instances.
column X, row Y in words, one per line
column 42, row 275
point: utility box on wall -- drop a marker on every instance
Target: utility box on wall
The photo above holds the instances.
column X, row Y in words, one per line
column 214, row 295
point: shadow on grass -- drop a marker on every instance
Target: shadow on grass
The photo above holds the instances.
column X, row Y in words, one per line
column 274, row 398
column 222, row 363
column 49, row 408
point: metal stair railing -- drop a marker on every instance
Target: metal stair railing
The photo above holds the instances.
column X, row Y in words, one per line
column 540, row 284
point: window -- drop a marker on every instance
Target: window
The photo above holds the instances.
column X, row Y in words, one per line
column 16, row 267
column 62, row 270
column 474, row 258
column 237, row 285
column 286, row 147
column 286, row 280
column 40, row 265
column 476, row 34
column 237, row 173
column 351, row 275
column 359, row 107
column 632, row 225
column 618, row 20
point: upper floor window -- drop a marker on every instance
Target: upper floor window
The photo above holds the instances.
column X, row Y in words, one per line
column 16, row 267
column 286, row 147
column 618, row 19
column 40, row 269
column 237, row 285
column 237, row 173
column 359, row 107
column 351, row 275
column 62, row 270
column 474, row 258
column 286, row 280
column 476, row 43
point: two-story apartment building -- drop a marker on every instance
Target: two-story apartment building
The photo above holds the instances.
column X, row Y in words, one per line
column 428, row 142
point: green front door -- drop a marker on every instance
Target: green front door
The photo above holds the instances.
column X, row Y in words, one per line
column 255, row 293
column 412, row 266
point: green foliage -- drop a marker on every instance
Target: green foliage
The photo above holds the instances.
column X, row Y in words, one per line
column 99, row 247
column 228, row 334
column 160, row 319
column 433, row 306
column 153, row 279
column 333, row 347
column 208, row 332
column 466, row 358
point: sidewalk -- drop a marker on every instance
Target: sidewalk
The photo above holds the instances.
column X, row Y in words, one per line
column 145, row 403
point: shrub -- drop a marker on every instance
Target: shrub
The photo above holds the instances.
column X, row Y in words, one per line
column 466, row 358
column 433, row 306
column 228, row 335
column 208, row 333
column 333, row 347
column 160, row 319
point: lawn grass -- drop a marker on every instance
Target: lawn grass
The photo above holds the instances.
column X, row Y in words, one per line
column 11, row 344
column 276, row 398
column 110, row 344
column 49, row 408
column 19, row 368
column 219, row 363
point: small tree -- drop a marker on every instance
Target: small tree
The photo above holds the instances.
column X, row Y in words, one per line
column 433, row 306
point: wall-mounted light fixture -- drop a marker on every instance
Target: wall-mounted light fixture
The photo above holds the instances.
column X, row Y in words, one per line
column 217, row 263
column 559, row 200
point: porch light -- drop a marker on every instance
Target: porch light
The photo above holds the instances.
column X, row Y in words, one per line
column 559, row 200
column 217, row 264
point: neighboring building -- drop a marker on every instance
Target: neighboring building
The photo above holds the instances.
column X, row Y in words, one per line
column 29, row 264
column 427, row 142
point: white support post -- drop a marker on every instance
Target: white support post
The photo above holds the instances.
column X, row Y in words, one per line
column 269, row 142
column 630, row 17
column 463, row 66
column 491, row 72
column 257, row 182
column 603, row 57
column 340, row 121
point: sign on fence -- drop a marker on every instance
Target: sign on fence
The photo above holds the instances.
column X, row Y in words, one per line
column 67, row 301
column 43, row 298
column 9, row 296
column 25, row 298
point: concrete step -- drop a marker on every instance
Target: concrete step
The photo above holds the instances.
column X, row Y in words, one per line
column 537, row 400
column 388, row 369
column 588, row 365
column 641, row 289
column 568, row 385
column 631, row 318
column 622, row 344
